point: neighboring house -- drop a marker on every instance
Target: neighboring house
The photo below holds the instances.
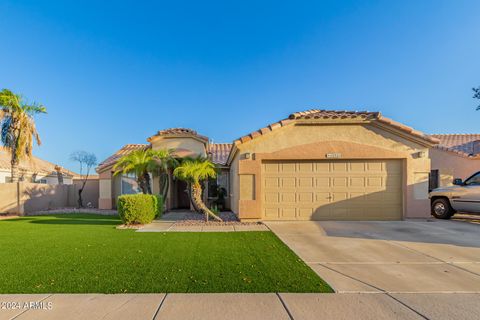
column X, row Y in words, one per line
column 313, row 165
column 456, row 156
column 34, row 170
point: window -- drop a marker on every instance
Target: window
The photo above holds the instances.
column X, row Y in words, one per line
column 221, row 181
column 129, row 184
column 473, row 180
column 433, row 181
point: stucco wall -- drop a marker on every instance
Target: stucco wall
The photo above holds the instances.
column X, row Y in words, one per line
column 452, row 166
column 90, row 193
column 24, row 198
column 234, row 185
column 186, row 146
column 352, row 141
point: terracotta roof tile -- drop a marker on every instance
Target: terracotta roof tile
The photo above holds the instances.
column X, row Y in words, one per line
column 126, row 149
column 320, row 115
column 467, row 145
column 179, row 132
column 34, row 165
column 334, row 114
column 219, row 152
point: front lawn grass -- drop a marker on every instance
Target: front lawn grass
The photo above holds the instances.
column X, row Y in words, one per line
column 81, row 253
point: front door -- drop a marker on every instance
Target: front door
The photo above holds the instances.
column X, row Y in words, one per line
column 183, row 200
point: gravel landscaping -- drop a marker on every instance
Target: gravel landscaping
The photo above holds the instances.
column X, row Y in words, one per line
column 191, row 218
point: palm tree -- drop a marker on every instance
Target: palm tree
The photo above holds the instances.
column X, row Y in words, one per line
column 18, row 129
column 139, row 162
column 164, row 160
column 194, row 171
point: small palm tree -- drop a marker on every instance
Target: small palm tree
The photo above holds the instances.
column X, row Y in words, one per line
column 139, row 162
column 18, row 130
column 194, row 171
column 164, row 161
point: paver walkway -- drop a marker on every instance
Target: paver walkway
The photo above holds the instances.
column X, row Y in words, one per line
column 244, row 306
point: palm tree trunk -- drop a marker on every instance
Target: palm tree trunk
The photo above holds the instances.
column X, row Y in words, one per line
column 164, row 184
column 14, row 169
column 141, row 184
column 148, row 186
column 197, row 200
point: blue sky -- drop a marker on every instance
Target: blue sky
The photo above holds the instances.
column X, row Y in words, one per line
column 115, row 72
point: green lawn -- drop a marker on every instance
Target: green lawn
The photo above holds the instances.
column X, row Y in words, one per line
column 85, row 253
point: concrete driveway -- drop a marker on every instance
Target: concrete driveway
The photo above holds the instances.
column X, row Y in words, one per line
column 391, row 257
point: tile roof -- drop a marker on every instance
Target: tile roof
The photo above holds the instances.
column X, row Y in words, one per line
column 329, row 115
column 126, row 149
column 219, row 152
column 34, row 165
column 466, row 145
column 332, row 114
column 178, row 132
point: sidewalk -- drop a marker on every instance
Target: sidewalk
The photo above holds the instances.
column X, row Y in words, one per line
column 241, row 306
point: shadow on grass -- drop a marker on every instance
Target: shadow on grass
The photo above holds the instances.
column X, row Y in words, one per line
column 70, row 219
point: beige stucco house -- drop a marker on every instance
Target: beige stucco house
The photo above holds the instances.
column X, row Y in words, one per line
column 456, row 156
column 312, row 165
column 34, row 170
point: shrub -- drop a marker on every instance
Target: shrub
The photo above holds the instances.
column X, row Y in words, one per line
column 139, row 208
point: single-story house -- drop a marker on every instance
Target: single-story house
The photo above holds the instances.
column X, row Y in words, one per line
column 456, row 156
column 34, row 170
column 312, row 165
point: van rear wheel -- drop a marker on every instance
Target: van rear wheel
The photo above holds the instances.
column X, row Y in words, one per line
column 441, row 209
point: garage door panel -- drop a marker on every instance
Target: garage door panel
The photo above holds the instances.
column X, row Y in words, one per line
column 271, row 167
column 305, row 197
column 339, row 167
column 322, row 166
column 272, row 197
column 271, row 182
column 305, row 182
column 307, row 167
column 288, row 167
column 288, row 182
column 339, row 182
column 322, row 182
column 357, row 167
column 271, row 212
column 357, row 182
column 333, row 190
column 288, row 212
column 288, row 197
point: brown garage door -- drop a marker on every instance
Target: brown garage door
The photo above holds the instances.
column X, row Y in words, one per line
column 332, row 190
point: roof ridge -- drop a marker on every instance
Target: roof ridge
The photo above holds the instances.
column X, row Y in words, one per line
column 455, row 134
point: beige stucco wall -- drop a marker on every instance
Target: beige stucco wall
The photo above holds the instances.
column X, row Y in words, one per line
column 234, row 191
column 105, row 200
column 90, row 193
column 353, row 141
column 186, row 146
column 24, row 198
column 451, row 165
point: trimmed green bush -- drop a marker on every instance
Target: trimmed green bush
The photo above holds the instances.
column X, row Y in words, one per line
column 139, row 208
